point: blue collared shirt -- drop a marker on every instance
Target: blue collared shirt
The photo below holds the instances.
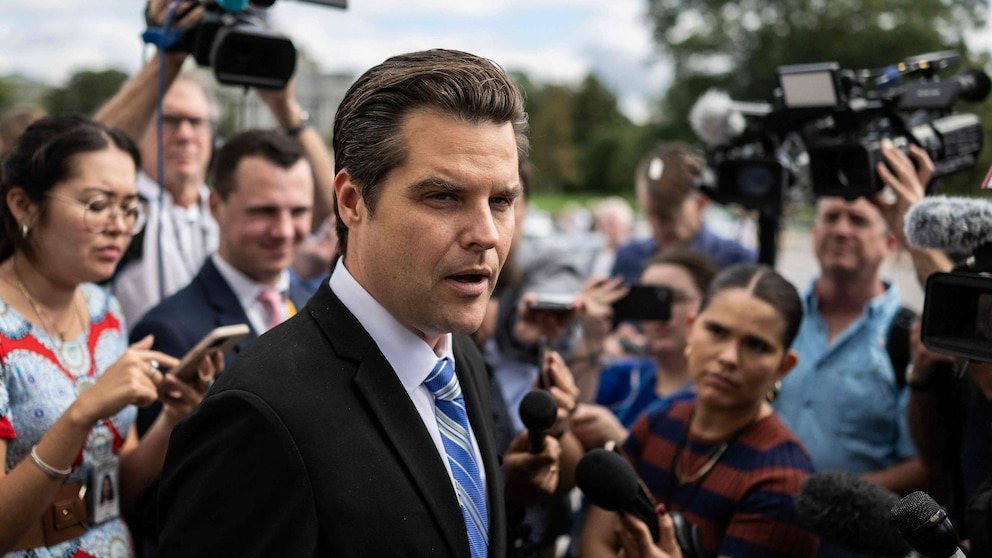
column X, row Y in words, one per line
column 842, row 399
column 723, row 252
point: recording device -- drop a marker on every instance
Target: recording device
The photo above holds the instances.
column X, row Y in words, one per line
column 538, row 411
column 233, row 37
column 610, row 482
column 845, row 509
column 552, row 302
column 926, row 527
column 644, row 302
column 957, row 310
column 832, row 121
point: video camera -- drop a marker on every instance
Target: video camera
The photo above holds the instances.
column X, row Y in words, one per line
column 833, row 121
column 233, row 38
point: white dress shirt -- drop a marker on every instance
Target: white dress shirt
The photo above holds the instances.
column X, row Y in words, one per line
column 247, row 290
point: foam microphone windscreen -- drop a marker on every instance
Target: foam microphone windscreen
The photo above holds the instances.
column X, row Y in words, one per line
column 538, row 410
column 849, row 511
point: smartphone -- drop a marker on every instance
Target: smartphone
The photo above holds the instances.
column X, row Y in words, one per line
column 220, row 339
column 644, row 302
column 552, row 302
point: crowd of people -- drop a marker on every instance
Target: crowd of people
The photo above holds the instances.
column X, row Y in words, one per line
column 391, row 303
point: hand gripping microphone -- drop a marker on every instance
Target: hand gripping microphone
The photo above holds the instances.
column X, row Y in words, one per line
column 538, row 412
column 610, row 482
column 851, row 512
column 926, row 526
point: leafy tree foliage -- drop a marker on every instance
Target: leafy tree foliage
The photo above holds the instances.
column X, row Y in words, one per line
column 85, row 91
column 580, row 140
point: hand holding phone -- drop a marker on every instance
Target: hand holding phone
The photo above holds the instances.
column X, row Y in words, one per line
column 220, row 339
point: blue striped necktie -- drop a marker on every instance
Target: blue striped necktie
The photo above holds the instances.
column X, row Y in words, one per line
column 449, row 408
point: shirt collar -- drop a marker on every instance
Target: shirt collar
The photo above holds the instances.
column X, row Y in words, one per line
column 879, row 303
column 244, row 287
column 410, row 356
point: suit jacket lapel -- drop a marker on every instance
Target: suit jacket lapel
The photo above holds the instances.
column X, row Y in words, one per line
column 471, row 372
column 391, row 406
column 223, row 302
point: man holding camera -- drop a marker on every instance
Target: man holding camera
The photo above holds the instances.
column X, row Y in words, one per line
column 844, row 399
column 181, row 232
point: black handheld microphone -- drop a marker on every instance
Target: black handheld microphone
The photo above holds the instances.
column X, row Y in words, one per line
column 851, row 512
column 610, row 482
column 926, row 526
column 538, row 412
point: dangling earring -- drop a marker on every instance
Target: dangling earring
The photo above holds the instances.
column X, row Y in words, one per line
column 773, row 392
column 24, row 230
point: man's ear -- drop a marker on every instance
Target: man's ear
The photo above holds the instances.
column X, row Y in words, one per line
column 351, row 205
column 215, row 203
column 702, row 201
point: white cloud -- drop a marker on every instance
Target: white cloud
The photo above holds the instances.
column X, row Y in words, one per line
column 550, row 40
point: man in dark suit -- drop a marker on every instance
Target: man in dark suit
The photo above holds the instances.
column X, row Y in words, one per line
column 261, row 198
column 328, row 436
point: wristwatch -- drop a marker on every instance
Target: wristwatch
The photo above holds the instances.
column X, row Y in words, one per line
column 302, row 123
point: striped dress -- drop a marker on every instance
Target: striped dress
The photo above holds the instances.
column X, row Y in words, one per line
column 744, row 505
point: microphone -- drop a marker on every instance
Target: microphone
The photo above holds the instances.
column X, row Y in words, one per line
column 717, row 119
column 611, row 483
column 950, row 223
column 538, row 412
column 851, row 512
column 926, row 526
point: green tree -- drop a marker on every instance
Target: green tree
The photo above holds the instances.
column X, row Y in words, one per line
column 85, row 91
column 737, row 45
column 580, row 139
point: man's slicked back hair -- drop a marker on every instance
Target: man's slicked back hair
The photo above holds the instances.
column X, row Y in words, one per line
column 368, row 138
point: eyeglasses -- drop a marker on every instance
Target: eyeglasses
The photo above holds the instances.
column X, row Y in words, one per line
column 101, row 210
column 172, row 122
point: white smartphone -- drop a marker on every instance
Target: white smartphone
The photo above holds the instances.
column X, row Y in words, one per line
column 220, row 339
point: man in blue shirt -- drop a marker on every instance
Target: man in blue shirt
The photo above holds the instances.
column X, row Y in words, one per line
column 843, row 399
column 674, row 206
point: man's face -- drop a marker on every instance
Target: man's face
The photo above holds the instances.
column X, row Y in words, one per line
column 850, row 237
column 265, row 217
column 442, row 226
column 186, row 137
column 675, row 226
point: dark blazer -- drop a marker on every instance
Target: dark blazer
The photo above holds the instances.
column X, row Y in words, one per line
column 310, row 446
column 181, row 320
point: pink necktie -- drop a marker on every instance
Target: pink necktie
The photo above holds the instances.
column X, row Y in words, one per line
column 271, row 301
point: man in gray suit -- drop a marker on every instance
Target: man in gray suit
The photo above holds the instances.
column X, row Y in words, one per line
column 330, row 435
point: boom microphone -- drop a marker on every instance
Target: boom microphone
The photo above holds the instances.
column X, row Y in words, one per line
column 717, row 119
column 610, row 482
column 926, row 526
column 538, row 412
column 851, row 512
column 950, row 223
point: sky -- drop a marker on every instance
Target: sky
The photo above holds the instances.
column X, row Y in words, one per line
column 553, row 41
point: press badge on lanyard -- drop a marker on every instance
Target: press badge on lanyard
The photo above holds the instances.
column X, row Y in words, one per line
column 102, row 486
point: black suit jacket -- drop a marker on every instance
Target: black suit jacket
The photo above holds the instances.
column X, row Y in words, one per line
column 309, row 445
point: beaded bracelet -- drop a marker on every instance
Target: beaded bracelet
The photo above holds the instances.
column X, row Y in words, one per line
column 46, row 468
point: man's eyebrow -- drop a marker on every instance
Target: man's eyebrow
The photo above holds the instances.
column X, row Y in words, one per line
column 434, row 183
